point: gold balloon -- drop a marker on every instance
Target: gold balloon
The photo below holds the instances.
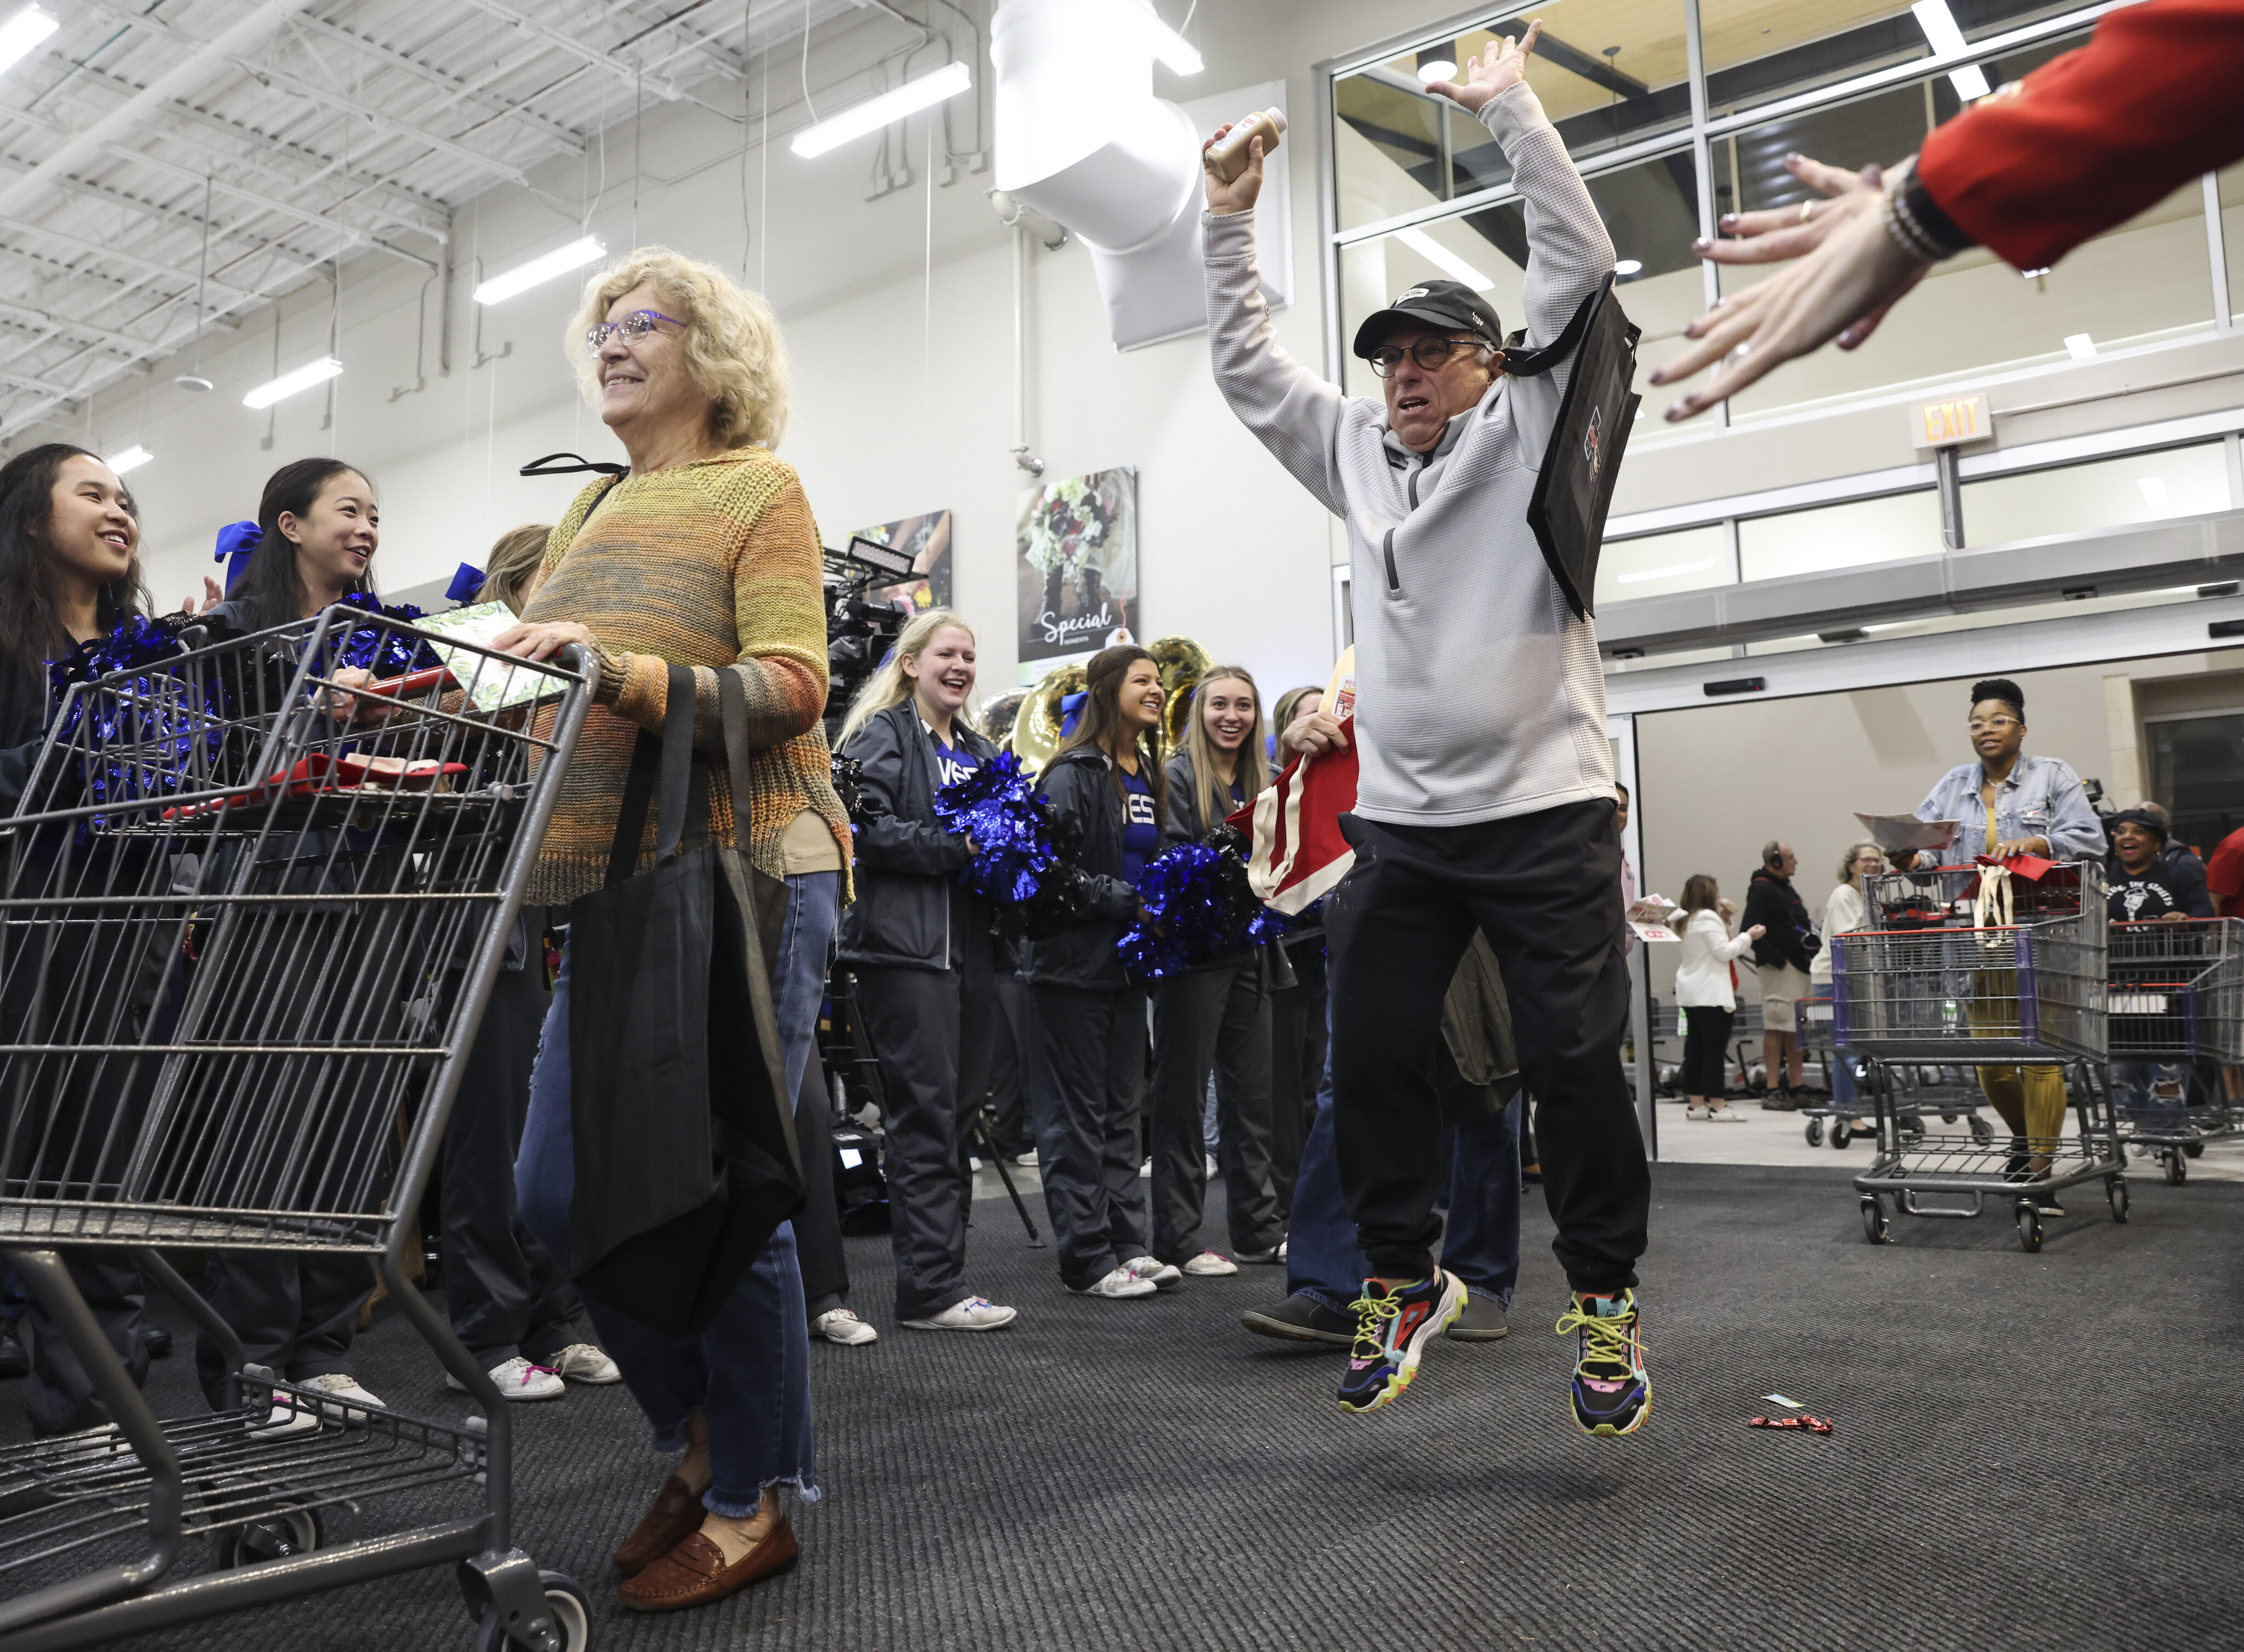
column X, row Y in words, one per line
column 1183, row 663
column 1037, row 727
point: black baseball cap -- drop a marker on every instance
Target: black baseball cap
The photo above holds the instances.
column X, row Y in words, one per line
column 1446, row 305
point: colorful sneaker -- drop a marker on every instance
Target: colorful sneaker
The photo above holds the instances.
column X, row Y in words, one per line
column 1164, row 1276
column 1612, row 1391
column 1392, row 1329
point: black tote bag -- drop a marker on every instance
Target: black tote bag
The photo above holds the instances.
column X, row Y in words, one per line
column 1575, row 486
column 686, row 1155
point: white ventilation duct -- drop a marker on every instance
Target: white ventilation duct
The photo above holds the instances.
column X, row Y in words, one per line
column 1082, row 139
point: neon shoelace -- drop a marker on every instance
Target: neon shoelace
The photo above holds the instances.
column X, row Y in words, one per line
column 1606, row 1341
column 1369, row 1310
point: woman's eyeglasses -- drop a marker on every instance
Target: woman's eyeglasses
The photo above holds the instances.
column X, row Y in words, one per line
column 1431, row 354
column 633, row 328
column 1983, row 725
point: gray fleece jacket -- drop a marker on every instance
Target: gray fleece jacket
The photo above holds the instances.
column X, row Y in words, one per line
column 1479, row 693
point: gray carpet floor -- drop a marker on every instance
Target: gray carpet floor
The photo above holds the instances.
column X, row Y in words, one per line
column 2032, row 1451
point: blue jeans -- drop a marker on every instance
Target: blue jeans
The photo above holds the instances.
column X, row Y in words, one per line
column 748, row 1372
column 1843, row 1066
column 1480, row 1242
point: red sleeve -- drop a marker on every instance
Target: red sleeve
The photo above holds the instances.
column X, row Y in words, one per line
column 2092, row 138
column 2224, row 875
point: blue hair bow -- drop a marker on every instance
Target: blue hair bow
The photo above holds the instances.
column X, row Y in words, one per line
column 1070, row 709
column 465, row 583
column 236, row 541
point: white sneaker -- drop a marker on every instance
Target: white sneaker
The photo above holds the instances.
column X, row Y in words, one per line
column 285, row 1417
column 343, row 1386
column 1120, row 1285
column 841, row 1325
column 1281, row 1250
column 976, row 1313
column 1145, row 1171
column 1724, row 1115
column 1161, row 1275
column 1212, row 1168
column 1208, row 1265
column 586, row 1362
column 517, row 1379
column 1028, row 1158
column 1698, row 1113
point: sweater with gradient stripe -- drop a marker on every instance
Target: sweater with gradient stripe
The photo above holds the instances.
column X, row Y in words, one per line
column 714, row 565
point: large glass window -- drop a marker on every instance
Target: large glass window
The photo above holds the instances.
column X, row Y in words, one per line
column 1608, row 72
column 1759, row 50
column 1660, row 563
column 2232, row 235
column 1840, row 536
column 2107, row 493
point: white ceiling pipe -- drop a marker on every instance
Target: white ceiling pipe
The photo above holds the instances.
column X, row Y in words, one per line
column 246, row 36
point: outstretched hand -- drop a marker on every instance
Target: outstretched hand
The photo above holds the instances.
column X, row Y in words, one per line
column 1850, row 272
column 1495, row 72
column 1238, row 195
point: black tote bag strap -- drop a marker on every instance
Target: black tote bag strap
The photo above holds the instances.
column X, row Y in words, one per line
column 733, row 711
column 1525, row 364
column 666, row 763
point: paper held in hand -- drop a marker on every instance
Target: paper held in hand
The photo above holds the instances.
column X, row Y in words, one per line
column 1894, row 833
column 1648, row 916
column 489, row 684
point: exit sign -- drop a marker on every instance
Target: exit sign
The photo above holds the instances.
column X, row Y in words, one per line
column 1954, row 421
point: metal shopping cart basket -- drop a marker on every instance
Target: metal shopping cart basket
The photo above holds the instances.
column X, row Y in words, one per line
column 1954, row 970
column 1918, row 1089
column 2177, row 1016
column 251, row 912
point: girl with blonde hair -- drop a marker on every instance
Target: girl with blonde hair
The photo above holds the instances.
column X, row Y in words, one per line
column 925, row 960
column 1215, row 1018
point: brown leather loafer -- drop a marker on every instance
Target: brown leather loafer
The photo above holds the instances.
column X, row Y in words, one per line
column 675, row 1516
column 694, row 1573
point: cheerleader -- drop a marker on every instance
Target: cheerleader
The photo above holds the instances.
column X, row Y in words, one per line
column 1217, row 1016
column 1090, row 1070
column 921, row 945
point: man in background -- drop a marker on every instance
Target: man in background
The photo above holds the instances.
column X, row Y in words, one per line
column 1783, row 956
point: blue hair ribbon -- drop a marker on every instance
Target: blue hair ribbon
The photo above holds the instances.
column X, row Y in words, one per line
column 465, row 583
column 236, row 542
column 1070, row 708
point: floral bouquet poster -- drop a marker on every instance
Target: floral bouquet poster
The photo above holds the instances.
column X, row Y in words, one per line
column 1077, row 541
column 927, row 538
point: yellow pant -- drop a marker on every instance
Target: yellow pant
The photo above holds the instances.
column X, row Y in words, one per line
column 2033, row 1106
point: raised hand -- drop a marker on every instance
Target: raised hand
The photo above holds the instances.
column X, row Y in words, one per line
column 1780, row 233
column 1495, row 72
column 1238, row 195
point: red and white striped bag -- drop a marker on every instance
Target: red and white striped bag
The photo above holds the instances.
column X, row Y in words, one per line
column 1298, row 853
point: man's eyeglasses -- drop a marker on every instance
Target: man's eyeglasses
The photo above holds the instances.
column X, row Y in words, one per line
column 633, row 328
column 1431, row 354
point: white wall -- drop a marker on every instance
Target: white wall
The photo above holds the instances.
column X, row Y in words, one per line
column 903, row 381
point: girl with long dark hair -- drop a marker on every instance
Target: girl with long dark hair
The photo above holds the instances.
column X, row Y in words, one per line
column 1215, row 1017
column 1090, row 1071
column 70, row 571
column 319, row 527
column 924, row 958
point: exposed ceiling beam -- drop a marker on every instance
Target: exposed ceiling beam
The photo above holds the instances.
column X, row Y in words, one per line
column 544, row 125
column 705, row 46
column 135, row 348
column 596, row 57
column 97, row 249
column 247, row 33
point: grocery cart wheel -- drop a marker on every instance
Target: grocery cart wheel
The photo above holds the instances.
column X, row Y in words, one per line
column 291, row 1530
column 2177, row 1167
column 1948, row 1115
column 1841, row 1136
column 1982, row 1132
column 571, row 1613
column 2194, row 1149
column 1875, row 1228
column 2116, row 1191
column 1815, row 1133
column 2029, row 1227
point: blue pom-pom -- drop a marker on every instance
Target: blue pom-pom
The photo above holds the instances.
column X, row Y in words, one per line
column 380, row 649
column 1011, row 828
column 1200, row 907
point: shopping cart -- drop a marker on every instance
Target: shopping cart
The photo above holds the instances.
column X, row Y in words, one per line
column 1812, row 1026
column 249, row 919
column 1918, row 1090
column 1935, row 980
column 2177, row 1035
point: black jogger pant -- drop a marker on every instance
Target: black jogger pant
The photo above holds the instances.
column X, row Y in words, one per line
column 931, row 1029
column 1704, row 1042
column 1546, row 890
column 1089, row 1071
column 504, row 1294
column 1214, row 1019
column 1297, row 1071
column 60, row 1397
column 818, row 1224
column 1009, row 1042
column 296, row 1312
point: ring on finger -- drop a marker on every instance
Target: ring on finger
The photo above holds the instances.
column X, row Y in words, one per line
column 1806, row 207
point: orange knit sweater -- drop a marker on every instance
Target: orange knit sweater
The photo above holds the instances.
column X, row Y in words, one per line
column 716, row 566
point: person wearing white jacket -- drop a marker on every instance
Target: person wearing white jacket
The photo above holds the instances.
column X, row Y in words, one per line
column 1703, row 989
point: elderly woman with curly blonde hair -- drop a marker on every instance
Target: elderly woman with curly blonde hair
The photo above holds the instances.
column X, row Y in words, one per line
column 703, row 555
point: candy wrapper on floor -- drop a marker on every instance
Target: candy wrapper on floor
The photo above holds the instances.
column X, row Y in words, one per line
column 1022, row 855
column 1202, row 906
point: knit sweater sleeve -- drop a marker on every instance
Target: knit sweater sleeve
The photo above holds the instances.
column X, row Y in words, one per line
column 779, row 616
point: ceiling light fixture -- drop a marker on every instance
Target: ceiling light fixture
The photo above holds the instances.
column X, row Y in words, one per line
column 2080, row 346
column 1437, row 63
column 522, row 277
column 1947, row 41
column 289, row 383
column 22, row 32
column 136, row 455
column 1443, row 260
column 1628, row 267
column 876, row 113
column 1173, row 49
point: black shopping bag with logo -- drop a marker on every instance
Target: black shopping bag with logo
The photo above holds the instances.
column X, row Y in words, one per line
column 685, row 1154
column 1575, row 486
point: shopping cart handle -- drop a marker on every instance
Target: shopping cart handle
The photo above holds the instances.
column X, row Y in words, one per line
column 412, row 682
